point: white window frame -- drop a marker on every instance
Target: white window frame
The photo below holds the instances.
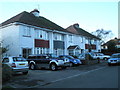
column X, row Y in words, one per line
column 70, row 38
column 86, row 40
column 82, row 39
column 41, row 50
column 41, row 34
column 27, row 31
column 55, row 36
column 46, row 36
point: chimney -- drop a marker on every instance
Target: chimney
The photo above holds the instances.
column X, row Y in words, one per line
column 35, row 12
column 76, row 25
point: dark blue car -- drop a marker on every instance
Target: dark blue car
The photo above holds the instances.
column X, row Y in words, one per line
column 73, row 61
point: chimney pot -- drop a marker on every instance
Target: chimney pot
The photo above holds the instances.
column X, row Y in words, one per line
column 35, row 12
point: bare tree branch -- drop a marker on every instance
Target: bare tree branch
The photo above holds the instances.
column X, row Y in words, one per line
column 102, row 34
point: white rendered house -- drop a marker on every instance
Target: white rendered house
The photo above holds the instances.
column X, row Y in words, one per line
column 82, row 41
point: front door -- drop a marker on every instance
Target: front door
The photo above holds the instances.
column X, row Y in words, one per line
column 26, row 52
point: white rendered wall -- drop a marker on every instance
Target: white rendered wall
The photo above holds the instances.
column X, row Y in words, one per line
column 26, row 42
column 77, row 41
column 10, row 38
column 66, row 41
column 51, row 42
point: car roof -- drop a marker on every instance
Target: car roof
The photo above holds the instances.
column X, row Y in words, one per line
column 64, row 55
column 116, row 54
column 38, row 55
column 11, row 56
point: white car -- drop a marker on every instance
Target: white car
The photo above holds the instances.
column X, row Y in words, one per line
column 102, row 56
column 83, row 56
column 18, row 64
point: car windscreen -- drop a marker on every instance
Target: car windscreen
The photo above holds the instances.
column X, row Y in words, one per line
column 100, row 54
column 54, row 56
column 92, row 54
column 17, row 59
column 70, row 57
column 115, row 56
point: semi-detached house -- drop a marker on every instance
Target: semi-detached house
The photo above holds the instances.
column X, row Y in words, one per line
column 82, row 41
column 28, row 33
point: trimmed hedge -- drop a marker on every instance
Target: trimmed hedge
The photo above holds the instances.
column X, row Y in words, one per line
column 6, row 72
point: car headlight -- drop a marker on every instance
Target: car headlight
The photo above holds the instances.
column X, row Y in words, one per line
column 74, row 60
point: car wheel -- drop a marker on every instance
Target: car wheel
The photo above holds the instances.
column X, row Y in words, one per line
column 98, row 58
column 71, row 64
column 105, row 58
column 53, row 67
column 25, row 73
column 32, row 66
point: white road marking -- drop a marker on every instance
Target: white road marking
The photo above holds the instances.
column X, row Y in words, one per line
column 77, row 75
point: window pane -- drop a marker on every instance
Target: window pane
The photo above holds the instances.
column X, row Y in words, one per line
column 18, row 59
column 5, row 60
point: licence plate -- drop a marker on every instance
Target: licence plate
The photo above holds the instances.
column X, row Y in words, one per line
column 113, row 62
column 21, row 64
column 67, row 64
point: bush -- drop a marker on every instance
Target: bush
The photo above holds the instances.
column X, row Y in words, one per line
column 6, row 72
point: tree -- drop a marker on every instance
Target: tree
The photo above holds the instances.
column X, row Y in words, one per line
column 112, row 46
column 3, row 50
column 102, row 34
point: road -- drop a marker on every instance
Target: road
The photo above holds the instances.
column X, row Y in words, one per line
column 106, row 77
column 84, row 76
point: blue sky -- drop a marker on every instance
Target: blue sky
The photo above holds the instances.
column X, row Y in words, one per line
column 90, row 15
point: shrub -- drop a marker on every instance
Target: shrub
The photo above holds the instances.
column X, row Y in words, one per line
column 6, row 72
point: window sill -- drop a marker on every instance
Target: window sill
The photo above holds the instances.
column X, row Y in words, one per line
column 26, row 36
column 41, row 38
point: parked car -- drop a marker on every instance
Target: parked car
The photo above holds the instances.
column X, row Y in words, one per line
column 66, row 61
column 92, row 56
column 114, row 59
column 101, row 56
column 52, row 56
column 72, row 60
column 18, row 64
column 45, row 61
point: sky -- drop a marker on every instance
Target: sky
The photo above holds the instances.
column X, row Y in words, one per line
column 89, row 14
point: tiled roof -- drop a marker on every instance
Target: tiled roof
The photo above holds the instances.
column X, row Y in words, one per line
column 85, row 33
column 117, row 41
column 30, row 19
column 80, row 31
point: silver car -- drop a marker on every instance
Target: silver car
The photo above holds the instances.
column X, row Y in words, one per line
column 114, row 59
column 18, row 64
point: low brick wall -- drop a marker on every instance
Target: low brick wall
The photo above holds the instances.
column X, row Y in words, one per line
column 89, row 62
